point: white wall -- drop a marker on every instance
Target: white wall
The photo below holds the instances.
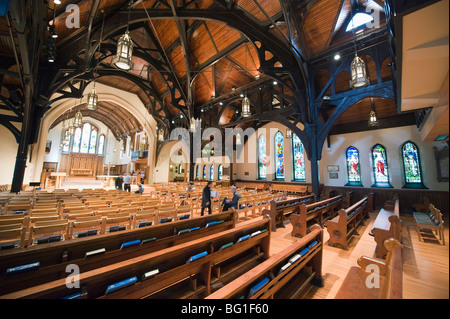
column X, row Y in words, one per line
column 8, row 147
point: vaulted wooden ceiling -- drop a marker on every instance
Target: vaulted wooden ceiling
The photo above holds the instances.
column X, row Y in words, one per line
column 187, row 58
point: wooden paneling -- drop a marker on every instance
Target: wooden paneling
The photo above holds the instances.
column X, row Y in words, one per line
column 319, row 23
column 407, row 197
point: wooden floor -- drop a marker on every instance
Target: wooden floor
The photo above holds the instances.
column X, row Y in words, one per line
column 425, row 264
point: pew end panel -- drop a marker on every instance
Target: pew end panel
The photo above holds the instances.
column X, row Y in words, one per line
column 374, row 278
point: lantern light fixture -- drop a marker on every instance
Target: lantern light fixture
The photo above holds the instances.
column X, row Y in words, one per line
column 246, row 112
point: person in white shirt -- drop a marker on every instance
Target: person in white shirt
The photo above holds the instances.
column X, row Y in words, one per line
column 127, row 183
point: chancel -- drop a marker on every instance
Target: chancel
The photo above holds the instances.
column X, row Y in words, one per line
column 328, row 118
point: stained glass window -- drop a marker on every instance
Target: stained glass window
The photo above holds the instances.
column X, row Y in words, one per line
column 380, row 165
column 220, row 171
column 211, row 172
column 101, row 145
column 66, row 145
column 85, row 141
column 411, row 163
column 93, row 142
column 298, row 152
column 86, row 138
column 279, row 155
column 76, row 140
column 197, row 171
column 262, row 161
column 204, row 171
column 353, row 166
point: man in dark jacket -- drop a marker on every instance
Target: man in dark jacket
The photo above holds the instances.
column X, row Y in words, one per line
column 234, row 202
column 119, row 183
column 206, row 198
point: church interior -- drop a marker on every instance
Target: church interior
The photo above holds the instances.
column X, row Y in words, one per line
column 224, row 149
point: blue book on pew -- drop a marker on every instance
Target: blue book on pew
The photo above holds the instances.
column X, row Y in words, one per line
column 130, row 244
column 74, row 296
column 214, row 223
column 257, row 287
column 184, row 217
column 304, row 251
column 195, row 228
column 22, row 268
column 313, row 244
column 121, row 284
column 243, row 238
column 195, row 257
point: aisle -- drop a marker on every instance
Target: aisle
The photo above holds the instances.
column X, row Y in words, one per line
column 425, row 264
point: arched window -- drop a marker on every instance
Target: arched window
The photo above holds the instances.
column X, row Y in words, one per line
column 101, row 145
column 262, row 162
column 353, row 167
column 76, row 140
column 197, row 169
column 85, row 141
column 411, row 166
column 85, row 138
column 220, row 172
column 211, row 173
column 380, row 166
column 298, row 153
column 67, row 140
column 279, row 155
column 204, row 171
column 93, row 141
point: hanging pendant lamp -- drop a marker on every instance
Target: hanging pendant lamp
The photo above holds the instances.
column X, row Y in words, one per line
column 246, row 112
column 359, row 73
column 124, row 54
column 92, row 100
column 78, row 121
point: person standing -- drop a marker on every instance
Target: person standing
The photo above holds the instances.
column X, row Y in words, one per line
column 119, row 183
column 127, row 183
column 206, row 198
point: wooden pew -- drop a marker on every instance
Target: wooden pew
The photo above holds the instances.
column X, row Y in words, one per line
column 286, row 271
column 432, row 221
column 386, row 282
column 55, row 257
column 344, row 225
column 172, row 265
column 318, row 211
column 279, row 209
column 290, row 189
column 387, row 225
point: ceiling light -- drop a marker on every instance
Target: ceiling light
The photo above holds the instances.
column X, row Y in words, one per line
column 124, row 52
column 92, row 100
column 57, row 1
column 337, row 57
column 246, row 107
column 78, row 122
